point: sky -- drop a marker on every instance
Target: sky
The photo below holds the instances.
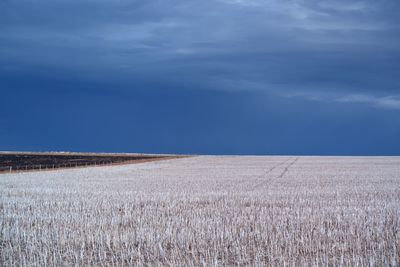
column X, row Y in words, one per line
column 272, row 77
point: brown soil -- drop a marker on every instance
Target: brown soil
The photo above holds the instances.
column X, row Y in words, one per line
column 25, row 161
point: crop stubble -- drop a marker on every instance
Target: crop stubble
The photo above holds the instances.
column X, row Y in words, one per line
column 206, row 211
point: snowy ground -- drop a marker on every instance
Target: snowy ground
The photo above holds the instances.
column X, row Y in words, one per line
column 205, row 211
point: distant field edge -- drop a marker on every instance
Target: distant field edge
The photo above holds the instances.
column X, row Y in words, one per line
column 18, row 161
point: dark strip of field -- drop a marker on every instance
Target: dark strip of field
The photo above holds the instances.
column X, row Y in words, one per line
column 41, row 161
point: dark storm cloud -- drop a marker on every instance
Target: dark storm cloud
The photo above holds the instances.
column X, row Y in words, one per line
column 185, row 76
column 319, row 49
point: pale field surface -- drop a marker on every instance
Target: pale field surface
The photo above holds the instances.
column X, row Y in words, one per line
column 297, row 211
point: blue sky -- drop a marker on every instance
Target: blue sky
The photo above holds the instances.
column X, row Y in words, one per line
column 203, row 77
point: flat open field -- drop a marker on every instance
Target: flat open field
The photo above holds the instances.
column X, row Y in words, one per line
column 205, row 210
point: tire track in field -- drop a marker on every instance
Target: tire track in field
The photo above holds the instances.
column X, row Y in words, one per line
column 277, row 165
column 281, row 175
column 287, row 168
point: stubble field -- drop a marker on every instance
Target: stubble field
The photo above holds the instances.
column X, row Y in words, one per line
column 205, row 211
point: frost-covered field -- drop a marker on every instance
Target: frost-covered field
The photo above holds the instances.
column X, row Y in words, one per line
column 205, row 211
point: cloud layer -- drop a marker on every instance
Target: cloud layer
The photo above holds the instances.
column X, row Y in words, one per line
column 212, row 76
column 334, row 47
